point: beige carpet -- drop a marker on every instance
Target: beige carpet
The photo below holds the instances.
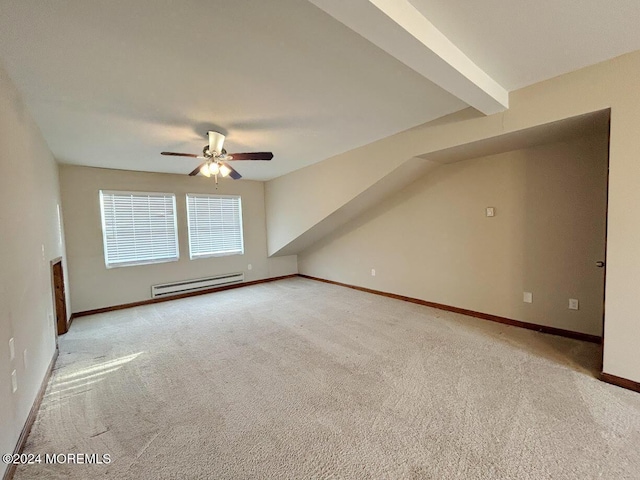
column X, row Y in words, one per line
column 300, row 379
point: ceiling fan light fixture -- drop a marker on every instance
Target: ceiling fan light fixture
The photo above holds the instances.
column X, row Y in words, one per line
column 216, row 141
column 214, row 169
column 205, row 170
column 224, row 170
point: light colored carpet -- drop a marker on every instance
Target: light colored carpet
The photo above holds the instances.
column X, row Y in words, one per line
column 300, row 379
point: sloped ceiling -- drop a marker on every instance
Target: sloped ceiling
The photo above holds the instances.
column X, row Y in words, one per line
column 521, row 42
column 113, row 83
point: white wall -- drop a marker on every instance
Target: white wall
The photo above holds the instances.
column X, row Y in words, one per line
column 296, row 202
column 95, row 286
column 30, row 237
column 432, row 241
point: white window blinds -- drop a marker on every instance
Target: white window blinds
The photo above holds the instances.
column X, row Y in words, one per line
column 215, row 225
column 138, row 228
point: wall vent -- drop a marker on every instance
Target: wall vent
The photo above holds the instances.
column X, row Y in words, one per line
column 186, row 286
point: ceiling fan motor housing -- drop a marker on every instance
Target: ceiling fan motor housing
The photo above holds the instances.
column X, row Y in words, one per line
column 216, row 141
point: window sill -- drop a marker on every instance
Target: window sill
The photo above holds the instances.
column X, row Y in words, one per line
column 213, row 255
column 136, row 264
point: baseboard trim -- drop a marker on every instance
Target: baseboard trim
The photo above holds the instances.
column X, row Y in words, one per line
column 620, row 382
column 177, row 297
column 485, row 316
column 31, row 418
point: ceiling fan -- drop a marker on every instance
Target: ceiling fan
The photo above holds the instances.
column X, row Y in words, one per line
column 215, row 158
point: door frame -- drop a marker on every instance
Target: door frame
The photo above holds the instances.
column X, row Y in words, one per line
column 61, row 324
column 606, row 236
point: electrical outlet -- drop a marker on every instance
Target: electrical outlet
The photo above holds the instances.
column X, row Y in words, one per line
column 527, row 297
column 14, row 381
column 491, row 212
column 249, row 267
column 373, row 272
column 573, row 304
column 24, row 359
column 12, row 349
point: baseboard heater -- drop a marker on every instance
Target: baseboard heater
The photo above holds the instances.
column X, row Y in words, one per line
column 186, row 286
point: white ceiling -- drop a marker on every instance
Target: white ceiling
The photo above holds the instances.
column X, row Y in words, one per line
column 521, row 42
column 113, row 83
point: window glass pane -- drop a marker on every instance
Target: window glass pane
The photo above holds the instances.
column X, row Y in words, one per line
column 215, row 225
column 138, row 228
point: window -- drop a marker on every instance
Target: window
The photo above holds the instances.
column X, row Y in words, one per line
column 138, row 228
column 215, row 225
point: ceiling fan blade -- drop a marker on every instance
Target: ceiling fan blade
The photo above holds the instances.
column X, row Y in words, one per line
column 252, row 156
column 233, row 174
column 197, row 170
column 179, row 154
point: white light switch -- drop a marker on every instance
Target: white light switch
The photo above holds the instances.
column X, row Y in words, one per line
column 249, row 267
column 491, row 212
column 373, row 272
column 573, row 304
column 527, row 297
column 12, row 349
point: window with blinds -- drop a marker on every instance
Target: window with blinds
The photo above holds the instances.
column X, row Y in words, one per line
column 215, row 225
column 138, row 228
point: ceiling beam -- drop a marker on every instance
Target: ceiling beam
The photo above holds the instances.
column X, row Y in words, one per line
column 399, row 29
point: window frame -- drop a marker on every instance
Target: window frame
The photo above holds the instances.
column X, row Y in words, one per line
column 241, row 221
column 137, row 262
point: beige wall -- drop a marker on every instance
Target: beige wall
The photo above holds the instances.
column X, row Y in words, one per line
column 611, row 84
column 95, row 286
column 30, row 237
column 433, row 241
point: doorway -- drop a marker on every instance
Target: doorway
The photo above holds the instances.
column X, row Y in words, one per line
column 60, row 300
